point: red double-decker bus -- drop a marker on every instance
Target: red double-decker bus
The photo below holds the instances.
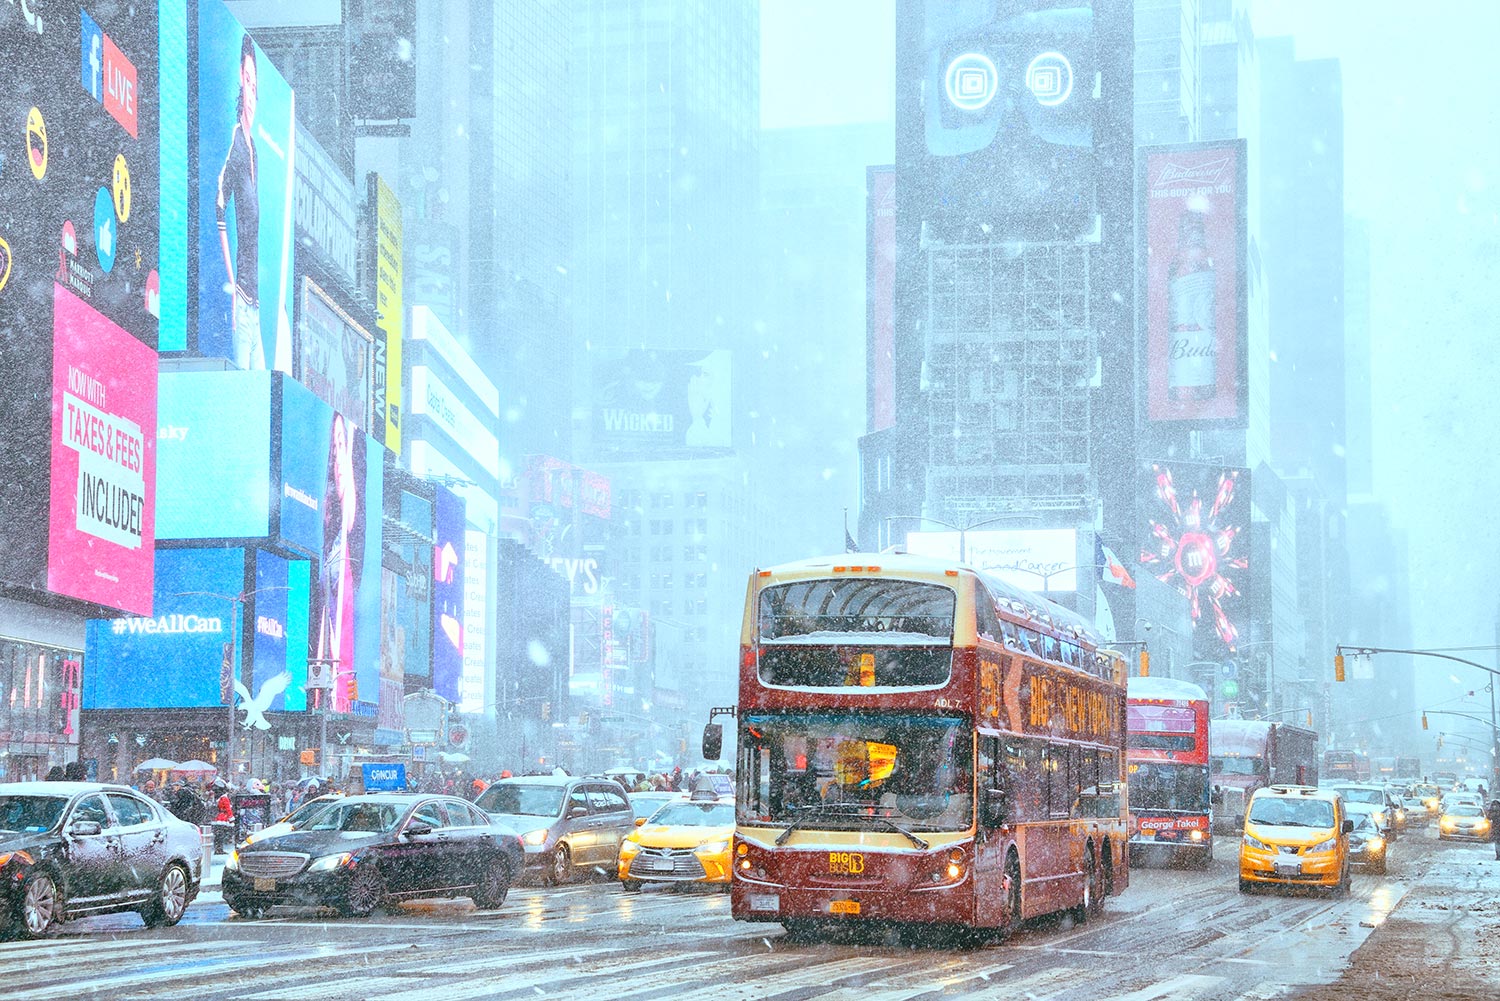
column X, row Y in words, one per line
column 1167, row 766
column 922, row 744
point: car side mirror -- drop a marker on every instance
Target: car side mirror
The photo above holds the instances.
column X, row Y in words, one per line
column 1348, row 826
column 713, row 741
column 84, row 828
column 414, row 830
column 640, row 821
column 578, row 811
column 996, row 807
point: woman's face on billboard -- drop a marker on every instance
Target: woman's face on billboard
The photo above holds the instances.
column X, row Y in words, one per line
column 249, row 89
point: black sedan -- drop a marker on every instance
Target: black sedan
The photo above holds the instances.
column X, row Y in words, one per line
column 69, row 849
column 362, row 852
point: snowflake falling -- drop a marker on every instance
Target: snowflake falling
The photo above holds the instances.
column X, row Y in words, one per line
column 1196, row 552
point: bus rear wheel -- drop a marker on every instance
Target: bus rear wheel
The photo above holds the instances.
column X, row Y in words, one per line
column 1012, row 896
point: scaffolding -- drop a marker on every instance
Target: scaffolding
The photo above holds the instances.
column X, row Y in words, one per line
column 1011, row 362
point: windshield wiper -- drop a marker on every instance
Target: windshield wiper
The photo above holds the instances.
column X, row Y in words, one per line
column 888, row 822
column 846, row 810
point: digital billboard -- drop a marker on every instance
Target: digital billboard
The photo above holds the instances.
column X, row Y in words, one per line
column 414, row 605
column 1197, row 539
column 448, row 550
column 1192, row 224
column 390, row 312
column 326, row 209
column 476, row 631
column 246, row 142
column 278, row 634
column 102, row 525
column 335, row 355
column 1037, row 559
column 186, row 653
column 176, row 231
column 214, row 455
column 390, row 715
column 78, row 212
column 661, row 403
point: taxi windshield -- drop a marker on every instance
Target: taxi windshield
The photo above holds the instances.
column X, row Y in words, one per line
column 695, row 815
column 1291, row 811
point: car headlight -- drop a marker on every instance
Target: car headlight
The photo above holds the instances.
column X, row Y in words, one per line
column 1376, row 844
column 1251, row 841
column 713, row 848
column 535, row 838
column 328, row 862
column 1400, row 815
column 1324, row 846
column 1379, row 818
column 630, row 849
column 1482, row 825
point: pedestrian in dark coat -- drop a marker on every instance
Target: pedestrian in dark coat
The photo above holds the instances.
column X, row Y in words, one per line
column 1493, row 813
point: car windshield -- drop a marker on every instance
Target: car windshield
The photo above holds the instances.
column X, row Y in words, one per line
column 30, row 814
column 846, row 768
column 1364, row 823
column 523, row 799
column 695, row 815
column 1291, row 811
column 1465, row 810
column 353, row 817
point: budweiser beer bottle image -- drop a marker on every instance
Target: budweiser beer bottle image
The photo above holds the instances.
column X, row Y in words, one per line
column 1192, row 371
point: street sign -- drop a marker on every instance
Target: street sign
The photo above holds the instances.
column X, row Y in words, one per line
column 384, row 777
column 422, row 736
column 458, row 735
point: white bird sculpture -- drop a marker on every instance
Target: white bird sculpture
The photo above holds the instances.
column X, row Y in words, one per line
column 255, row 708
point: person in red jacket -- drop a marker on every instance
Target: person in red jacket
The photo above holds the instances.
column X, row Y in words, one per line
column 226, row 811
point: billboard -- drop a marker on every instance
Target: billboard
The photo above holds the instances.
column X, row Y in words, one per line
column 448, row 585
column 476, row 630
column 334, row 355
column 78, row 212
column 1197, row 539
column 661, row 403
column 880, row 306
column 326, row 210
column 390, row 716
column 102, row 529
column 213, row 455
column 186, row 654
column 278, row 634
column 245, row 185
column 390, row 315
column 1043, row 560
column 1192, row 226
column 383, row 84
column 173, row 200
column 432, row 397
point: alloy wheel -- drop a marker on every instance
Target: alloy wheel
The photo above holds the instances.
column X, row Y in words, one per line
column 39, row 905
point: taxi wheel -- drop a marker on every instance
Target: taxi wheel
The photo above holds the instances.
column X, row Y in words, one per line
column 1245, row 886
column 630, row 885
column 560, row 866
column 1345, row 881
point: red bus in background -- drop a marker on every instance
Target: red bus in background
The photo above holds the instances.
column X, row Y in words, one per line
column 1167, row 765
column 1346, row 766
column 922, row 744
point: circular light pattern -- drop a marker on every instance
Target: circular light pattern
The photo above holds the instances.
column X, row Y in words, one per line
column 971, row 81
column 1049, row 77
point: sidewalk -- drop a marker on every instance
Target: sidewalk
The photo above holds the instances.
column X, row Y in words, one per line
column 1441, row 943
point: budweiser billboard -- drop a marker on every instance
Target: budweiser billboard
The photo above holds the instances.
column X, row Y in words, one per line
column 1192, row 214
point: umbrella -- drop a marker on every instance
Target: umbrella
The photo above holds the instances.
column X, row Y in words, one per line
column 155, row 765
column 455, row 758
column 194, row 767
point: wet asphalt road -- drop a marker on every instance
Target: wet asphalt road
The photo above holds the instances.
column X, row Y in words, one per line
column 1172, row 934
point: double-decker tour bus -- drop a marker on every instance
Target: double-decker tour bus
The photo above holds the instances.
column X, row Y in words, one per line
column 922, row 744
column 1167, row 769
column 1346, row 766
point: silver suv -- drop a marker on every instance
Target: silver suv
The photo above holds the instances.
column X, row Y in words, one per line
column 565, row 822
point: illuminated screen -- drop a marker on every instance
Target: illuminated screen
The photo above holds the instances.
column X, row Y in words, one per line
column 278, row 633
column 213, row 455
column 661, row 402
column 1197, row 540
column 448, row 595
column 245, row 188
column 186, row 654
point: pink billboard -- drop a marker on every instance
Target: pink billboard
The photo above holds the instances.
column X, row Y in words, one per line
column 102, row 531
column 1193, row 225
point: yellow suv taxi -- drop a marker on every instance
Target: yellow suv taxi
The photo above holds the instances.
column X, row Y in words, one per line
column 1295, row 836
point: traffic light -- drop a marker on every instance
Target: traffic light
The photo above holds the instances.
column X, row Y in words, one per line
column 1424, row 722
column 546, row 711
column 1338, row 667
column 353, row 688
column 1145, row 663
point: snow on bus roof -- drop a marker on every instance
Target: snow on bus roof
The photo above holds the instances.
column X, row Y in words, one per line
column 1063, row 620
column 1164, row 688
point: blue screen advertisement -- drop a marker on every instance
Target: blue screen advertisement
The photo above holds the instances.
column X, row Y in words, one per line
column 449, row 524
column 213, row 455
column 245, row 184
column 278, row 639
column 307, row 465
column 187, row 654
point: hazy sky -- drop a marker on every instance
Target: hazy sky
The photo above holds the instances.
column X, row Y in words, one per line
column 1422, row 159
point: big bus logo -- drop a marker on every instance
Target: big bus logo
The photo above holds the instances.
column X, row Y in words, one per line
column 846, row 863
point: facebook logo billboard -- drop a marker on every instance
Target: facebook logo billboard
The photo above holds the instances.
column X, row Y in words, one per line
column 186, row 655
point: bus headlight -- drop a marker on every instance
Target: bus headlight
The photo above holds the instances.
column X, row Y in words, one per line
column 1195, row 836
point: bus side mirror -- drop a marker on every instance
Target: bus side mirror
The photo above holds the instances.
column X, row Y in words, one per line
column 996, row 809
column 713, row 741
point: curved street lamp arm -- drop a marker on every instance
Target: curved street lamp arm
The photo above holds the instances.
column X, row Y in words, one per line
column 1343, row 647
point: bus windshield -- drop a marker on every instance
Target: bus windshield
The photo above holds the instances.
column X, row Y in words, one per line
column 855, row 770
column 1164, row 786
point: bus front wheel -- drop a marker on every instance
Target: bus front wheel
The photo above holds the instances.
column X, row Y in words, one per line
column 1012, row 896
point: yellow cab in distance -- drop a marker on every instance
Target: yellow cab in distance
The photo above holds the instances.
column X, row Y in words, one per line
column 684, row 841
column 1295, row 836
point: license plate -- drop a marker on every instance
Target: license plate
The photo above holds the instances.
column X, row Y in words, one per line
column 765, row 902
column 843, row 907
column 263, row 885
column 1288, row 868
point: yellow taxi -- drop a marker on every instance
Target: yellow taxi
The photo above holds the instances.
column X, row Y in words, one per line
column 1295, row 836
column 684, row 841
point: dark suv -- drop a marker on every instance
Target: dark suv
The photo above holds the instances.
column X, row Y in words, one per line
column 564, row 821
